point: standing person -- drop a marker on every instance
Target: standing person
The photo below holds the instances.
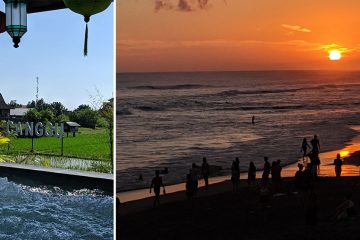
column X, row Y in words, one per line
column 338, row 163
column 253, row 120
column 235, row 173
column 266, row 171
column 304, row 148
column 194, row 176
column 156, row 183
column 189, row 186
column 315, row 144
column 251, row 173
column 299, row 178
column 205, row 171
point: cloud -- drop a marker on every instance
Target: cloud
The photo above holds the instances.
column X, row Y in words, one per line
column 148, row 45
column 334, row 46
column 163, row 4
column 182, row 5
column 296, row 28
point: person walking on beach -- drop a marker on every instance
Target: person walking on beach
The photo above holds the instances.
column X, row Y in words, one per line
column 315, row 144
column 338, row 163
column 205, row 171
column 235, row 174
column 251, row 173
column 266, row 171
column 156, row 183
column 253, row 120
column 304, row 148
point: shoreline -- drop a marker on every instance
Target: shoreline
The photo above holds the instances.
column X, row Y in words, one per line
column 350, row 149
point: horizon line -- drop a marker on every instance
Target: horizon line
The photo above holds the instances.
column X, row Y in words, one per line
column 263, row 70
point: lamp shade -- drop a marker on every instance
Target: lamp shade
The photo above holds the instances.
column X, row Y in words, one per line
column 87, row 8
column 2, row 22
column 16, row 19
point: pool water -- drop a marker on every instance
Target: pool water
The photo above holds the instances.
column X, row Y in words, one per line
column 51, row 213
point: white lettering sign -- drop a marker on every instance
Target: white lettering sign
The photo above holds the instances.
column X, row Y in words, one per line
column 29, row 129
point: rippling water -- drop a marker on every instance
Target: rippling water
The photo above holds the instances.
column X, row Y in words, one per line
column 51, row 213
column 174, row 119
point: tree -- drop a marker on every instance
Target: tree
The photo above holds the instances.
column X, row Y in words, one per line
column 13, row 104
column 62, row 118
column 47, row 116
column 83, row 106
column 32, row 115
column 107, row 113
column 31, row 104
column 85, row 117
column 58, row 108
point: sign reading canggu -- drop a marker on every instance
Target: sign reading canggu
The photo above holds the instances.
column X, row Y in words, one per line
column 30, row 129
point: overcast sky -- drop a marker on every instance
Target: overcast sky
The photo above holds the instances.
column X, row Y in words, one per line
column 52, row 49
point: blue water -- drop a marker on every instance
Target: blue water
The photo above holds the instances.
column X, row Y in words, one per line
column 51, row 213
column 174, row 119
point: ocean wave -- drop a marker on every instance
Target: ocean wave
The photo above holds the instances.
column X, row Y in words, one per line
column 124, row 111
column 250, row 92
column 170, row 87
column 149, row 108
column 252, row 108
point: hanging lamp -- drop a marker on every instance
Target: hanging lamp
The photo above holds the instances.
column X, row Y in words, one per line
column 2, row 22
column 87, row 8
column 16, row 19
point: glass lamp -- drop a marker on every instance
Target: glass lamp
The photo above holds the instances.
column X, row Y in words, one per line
column 16, row 19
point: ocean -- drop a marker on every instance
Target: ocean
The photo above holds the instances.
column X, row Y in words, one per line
column 175, row 119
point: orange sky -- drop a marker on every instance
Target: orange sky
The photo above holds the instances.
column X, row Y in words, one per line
column 237, row 35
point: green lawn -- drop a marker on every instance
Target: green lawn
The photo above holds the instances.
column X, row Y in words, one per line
column 88, row 143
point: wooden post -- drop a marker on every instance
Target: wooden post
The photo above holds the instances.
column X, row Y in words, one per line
column 62, row 146
column 32, row 144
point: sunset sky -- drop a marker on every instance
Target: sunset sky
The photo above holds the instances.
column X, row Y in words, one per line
column 200, row 35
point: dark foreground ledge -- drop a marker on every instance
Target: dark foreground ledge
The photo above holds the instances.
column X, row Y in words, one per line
column 63, row 178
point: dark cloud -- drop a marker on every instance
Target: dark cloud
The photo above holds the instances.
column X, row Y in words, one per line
column 181, row 5
column 163, row 4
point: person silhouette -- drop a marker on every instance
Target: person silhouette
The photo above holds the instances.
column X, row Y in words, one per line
column 338, row 163
column 194, row 175
column 299, row 178
column 235, row 174
column 266, row 170
column 156, row 183
column 253, row 120
column 205, row 171
column 304, row 148
column 315, row 144
column 251, row 173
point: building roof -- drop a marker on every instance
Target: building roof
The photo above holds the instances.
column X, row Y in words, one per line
column 19, row 112
column 72, row 124
column 3, row 104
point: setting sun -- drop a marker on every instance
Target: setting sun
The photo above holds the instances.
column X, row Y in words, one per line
column 334, row 55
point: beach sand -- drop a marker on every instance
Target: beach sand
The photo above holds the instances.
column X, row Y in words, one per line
column 220, row 213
